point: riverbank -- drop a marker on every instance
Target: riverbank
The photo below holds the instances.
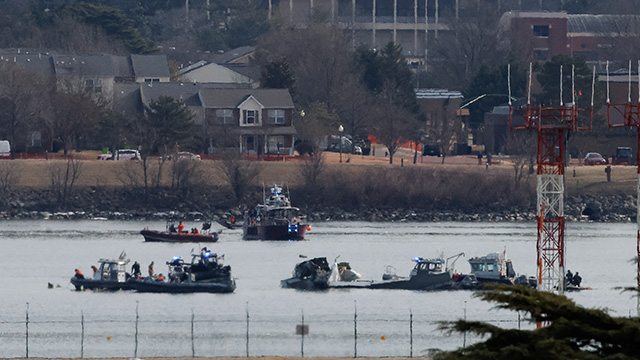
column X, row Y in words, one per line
column 356, row 191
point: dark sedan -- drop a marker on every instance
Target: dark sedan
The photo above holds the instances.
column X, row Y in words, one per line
column 594, row 159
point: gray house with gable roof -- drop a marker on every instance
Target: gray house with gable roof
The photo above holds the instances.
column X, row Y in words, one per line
column 245, row 120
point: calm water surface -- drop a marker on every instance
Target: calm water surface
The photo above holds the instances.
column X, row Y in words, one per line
column 387, row 322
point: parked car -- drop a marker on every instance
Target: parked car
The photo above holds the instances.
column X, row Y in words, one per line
column 107, row 156
column 5, row 149
column 430, row 150
column 624, row 156
column 126, row 154
column 183, row 155
column 594, row 158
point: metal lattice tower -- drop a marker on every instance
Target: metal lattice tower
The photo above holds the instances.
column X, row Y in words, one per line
column 553, row 125
column 628, row 115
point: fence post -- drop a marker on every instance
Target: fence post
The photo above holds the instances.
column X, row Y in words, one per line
column 135, row 351
column 247, row 329
column 464, row 334
column 27, row 332
column 302, row 336
column 355, row 328
column 410, row 333
column 193, row 345
column 82, row 334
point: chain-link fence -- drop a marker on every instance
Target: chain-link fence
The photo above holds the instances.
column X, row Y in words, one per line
column 233, row 335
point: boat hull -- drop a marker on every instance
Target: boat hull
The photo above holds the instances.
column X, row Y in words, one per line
column 228, row 286
column 440, row 281
column 282, row 232
column 91, row 284
column 161, row 236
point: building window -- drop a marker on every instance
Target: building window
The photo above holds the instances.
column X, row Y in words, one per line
column 93, row 86
column 151, row 80
column 276, row 116
column 250, row 117
column 541, row 30
column 224, row 116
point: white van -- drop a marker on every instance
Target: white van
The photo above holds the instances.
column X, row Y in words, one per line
column 5, row 149
column 126, row 154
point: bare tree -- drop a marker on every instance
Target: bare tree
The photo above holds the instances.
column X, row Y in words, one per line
column 63, row 177
column 20, row 93
column 185, row 174
column 474, row 42
column 311, row 169
column 326, row 76
column 74, row 112
column 239, row 173
column 521, row 147
column 315, row 123
column 443, row 124
column 391, row 124
column 8, row 175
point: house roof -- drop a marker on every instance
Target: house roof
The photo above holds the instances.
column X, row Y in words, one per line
column 187, row 92
column 233, row 54
column 99, row 65
column 211, row 72
column 231, row 98
column 438, row 94
column 603, row 24
column 37, row 63
column 150, row 66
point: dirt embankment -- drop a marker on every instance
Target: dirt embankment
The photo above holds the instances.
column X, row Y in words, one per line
column 359, row 188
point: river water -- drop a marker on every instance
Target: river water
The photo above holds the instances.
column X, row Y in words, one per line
column 260, row 318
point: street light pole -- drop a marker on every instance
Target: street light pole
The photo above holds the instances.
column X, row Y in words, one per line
column 340, row 130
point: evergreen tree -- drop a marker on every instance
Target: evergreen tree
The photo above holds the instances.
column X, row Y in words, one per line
column 277, row 74
column 571, row 331
column 489, row 88
column 168, row 122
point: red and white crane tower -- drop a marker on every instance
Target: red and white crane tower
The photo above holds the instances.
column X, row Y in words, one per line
column 553, row 125
column 628, row 115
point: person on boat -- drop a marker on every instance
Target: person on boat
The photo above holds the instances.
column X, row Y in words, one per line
column 195, row 231
column 79, row 274
column 160, row 278
column 172, row 228
column 180, row 227
column 151, row 269
column 94, row 268
column 577, row 279
column 569, row 277
column 135, row 270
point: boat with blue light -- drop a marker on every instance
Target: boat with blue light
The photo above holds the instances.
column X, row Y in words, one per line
column 205, row 273
column 275, row 219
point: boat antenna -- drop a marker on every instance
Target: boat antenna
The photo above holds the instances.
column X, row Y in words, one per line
column 336, row 259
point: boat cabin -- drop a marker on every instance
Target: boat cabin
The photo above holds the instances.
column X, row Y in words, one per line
column 431, row 266
column 492, row 266
column 277, row 198
column 112, row 270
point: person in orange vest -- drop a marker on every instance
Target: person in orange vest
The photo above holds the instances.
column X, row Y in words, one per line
column 160, row 278
column 180, row 227
column 79, row 274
